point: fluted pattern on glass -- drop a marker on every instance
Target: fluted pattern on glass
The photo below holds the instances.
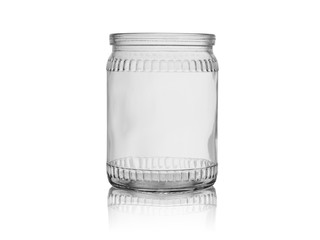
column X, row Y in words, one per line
column 139, row 65
column 163, row 169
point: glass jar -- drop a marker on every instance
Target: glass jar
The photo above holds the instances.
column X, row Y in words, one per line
column 162, row 111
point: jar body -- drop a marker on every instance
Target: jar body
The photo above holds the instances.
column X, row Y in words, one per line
column 162, row 117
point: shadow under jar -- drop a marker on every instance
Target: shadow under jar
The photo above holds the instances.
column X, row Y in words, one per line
column 162, row 111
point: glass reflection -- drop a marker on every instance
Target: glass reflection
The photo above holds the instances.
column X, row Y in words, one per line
column 143, row 210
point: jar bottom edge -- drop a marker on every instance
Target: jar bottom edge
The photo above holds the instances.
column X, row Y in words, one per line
column 163, row 177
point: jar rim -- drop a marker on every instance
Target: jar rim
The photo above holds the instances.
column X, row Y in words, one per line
column 162, row 39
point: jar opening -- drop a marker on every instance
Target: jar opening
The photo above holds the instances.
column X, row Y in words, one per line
column 162, row 39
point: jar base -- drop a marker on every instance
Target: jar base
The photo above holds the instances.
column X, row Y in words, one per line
column 162, row 174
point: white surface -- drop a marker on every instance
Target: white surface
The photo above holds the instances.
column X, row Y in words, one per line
column 53, row 116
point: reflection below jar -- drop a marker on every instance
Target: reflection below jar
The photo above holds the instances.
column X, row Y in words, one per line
column 144, row 210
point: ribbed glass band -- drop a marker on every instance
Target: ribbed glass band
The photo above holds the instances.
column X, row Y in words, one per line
column 162, row 39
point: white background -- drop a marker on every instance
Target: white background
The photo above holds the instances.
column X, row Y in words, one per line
column 53, row 55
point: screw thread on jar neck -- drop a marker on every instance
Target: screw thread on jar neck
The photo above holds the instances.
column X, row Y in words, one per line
column 162, row 39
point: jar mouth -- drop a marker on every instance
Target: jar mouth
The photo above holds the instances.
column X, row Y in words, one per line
column 162, row 39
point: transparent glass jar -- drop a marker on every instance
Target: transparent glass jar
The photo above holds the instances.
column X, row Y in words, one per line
column 162, row 111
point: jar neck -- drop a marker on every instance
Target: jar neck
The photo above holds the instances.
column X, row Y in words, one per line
column 162, row 42
column 146, row 48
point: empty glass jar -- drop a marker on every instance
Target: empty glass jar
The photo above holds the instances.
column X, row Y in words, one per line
column 162, row 111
